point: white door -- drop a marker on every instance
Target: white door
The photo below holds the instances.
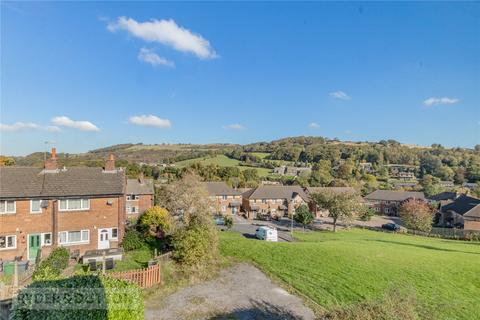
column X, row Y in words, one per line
column 103, row 242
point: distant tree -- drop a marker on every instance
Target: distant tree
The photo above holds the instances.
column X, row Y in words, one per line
column 476, row 191
column 417, row 215
column 6, row 161
column 473, row 169
column 303, row 216
column 228, row 222
column 459, row 176
column 340, row 206
column 345, row 170
column 477, row 147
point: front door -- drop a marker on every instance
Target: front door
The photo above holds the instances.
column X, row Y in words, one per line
column 33, row 246
column 103, row 242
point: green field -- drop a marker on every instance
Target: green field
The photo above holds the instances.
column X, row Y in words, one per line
column 222, row 161
column 344, row 268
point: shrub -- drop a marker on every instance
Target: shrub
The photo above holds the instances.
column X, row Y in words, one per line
column 366, row 214
column 79, row 297
column 132, row 240
column 417, row 215
column 228, row 222
column 196, row 244
column 52, row 267
column 157, row 220
column 303, row 216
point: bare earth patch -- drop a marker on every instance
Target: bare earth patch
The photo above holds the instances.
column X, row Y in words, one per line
column 240, row 292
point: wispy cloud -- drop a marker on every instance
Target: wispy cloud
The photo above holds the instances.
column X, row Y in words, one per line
column 82, row 125
column 148, row 56
column 339, row 95
column 24, row 126
column 150, row 121
column 433, row 101
column 166, row 32
column 234, row 126
column 313, row 125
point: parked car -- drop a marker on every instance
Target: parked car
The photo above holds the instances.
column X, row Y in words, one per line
column 267, row 234
column 393, row 227
column 219, row 220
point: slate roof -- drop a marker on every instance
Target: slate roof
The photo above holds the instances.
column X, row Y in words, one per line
column 29, row 182
column 220, row 189
column 443, row 196
column 462, row 205
column 276, row 192
column 390, row 195
column 140, row 186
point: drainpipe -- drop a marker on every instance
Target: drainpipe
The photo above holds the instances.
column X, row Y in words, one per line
column 54, row 224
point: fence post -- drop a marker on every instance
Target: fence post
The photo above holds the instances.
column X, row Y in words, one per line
column 104, row 267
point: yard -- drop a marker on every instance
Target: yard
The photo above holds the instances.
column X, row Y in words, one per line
column 340, row 269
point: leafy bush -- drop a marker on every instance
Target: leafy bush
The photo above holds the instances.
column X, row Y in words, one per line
column 417, row 215
column 132, row 240
column 157, row 220
column 303, row 216
column 228, row 222
column 79, row 297
column 196, row 244
column 366, row 214
column 52, row 267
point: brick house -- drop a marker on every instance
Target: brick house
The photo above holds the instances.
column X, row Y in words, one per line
column 226, row 200
column 314, row 207
column 273, row 201
column 139, row 196
column 388, row 201
column 80, row 208
column 463, row 212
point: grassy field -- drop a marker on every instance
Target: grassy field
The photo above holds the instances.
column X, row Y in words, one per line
column 222, row 161
column 345, row 268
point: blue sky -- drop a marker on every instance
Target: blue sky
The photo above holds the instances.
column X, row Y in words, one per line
column 87, row 75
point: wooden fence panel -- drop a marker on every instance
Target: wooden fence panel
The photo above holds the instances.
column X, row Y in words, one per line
column 144, row 278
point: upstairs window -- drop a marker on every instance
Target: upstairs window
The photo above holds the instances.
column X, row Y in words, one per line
column 74, row 204
column 7, row 206
column 132, row 197
column 35, row 206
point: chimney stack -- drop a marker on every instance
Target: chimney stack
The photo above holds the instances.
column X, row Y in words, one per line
column 51, row 164
column 110, row 163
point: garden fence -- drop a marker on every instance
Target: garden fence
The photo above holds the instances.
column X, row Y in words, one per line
column 144, row 278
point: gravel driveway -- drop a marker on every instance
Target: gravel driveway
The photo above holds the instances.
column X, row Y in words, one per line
column 240, row 292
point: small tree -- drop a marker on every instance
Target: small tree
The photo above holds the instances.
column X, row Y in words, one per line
column 417, row 215
column 303, row 216
column 228, row 222
column 157, row 221
column 343, row 205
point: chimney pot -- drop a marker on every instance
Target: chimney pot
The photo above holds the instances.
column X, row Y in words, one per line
column 51, row 164
column 54, row 153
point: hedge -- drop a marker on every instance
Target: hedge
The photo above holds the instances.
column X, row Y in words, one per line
column 79, row 297
column 52, row 267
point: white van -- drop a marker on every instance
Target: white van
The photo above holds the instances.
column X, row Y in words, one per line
column 267, row 234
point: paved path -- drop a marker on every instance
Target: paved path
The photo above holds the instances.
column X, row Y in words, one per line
column 241, row 292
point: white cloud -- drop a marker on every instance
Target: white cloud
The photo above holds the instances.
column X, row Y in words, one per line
column 432, row 101
column 314, row 125
column 22, row 126
column 150, row 121
column 234, row 126
column 166, row 32
column 154, row 59
column 339, row 95
column 64, row 121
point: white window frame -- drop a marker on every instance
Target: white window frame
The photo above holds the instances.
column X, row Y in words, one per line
column 39, row 206
column 132, row 197
column 224, row 208
column 129, row 209
column 6, row 242
column 71, row 243
column 111, row 234
column 6, row 207
column 81, row 204
column 43, row 239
